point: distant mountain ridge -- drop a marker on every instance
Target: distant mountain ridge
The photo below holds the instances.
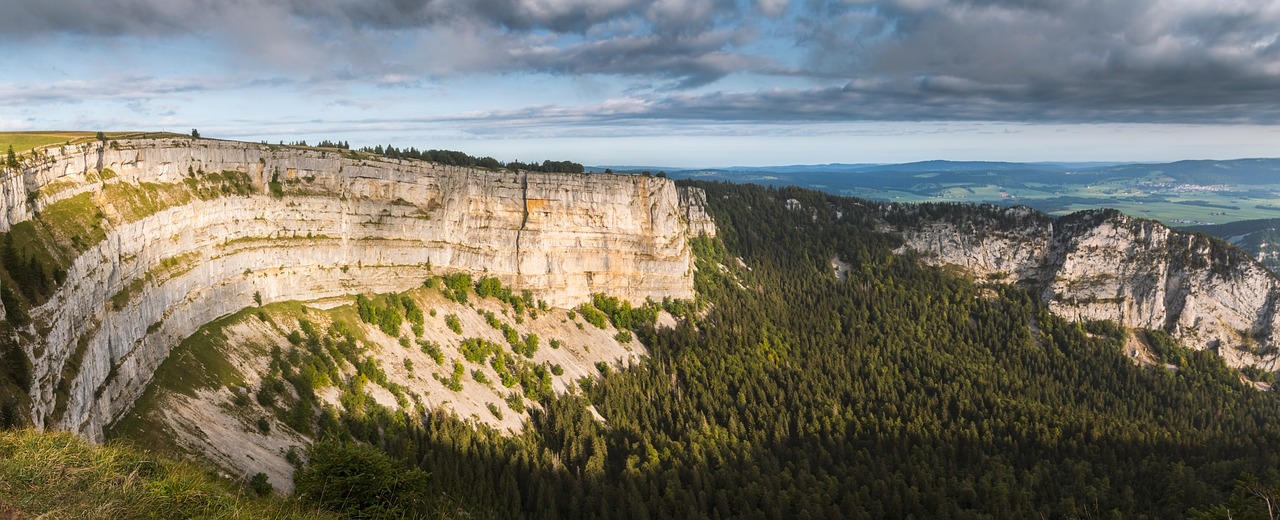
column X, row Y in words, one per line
column 1228, row 169
column 1181, row 193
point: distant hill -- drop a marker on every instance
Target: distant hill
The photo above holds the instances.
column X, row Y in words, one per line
column 1237, row 171
column 1198, row 192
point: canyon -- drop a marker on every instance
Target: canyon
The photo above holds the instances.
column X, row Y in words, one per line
column 152, row 238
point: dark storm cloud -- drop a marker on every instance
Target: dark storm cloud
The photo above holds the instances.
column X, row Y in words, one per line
column 1045, row 60
column 689, row 41
column 165, row 17
column 1140, row 60
column 694, row 60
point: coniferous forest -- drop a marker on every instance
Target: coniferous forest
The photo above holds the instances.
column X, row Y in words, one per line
column 903, row 391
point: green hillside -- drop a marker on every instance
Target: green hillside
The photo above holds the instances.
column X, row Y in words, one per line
column 902, row 392
column 58, row 475
column 25, row 141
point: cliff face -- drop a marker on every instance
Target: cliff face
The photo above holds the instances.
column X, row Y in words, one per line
column 1103, row 265
column 176, row 253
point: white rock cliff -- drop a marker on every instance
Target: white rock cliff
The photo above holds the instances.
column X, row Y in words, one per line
column 343, row 224
column 1104, row 265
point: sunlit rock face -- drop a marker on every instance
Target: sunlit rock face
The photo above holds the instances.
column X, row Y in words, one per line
column 318, row 224
column 1104, row 265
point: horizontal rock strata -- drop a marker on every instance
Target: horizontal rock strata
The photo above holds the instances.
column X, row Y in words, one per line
column 319, row 224
column 1104, row 265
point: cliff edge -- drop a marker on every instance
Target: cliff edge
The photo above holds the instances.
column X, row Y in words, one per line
column 1104, row 265
column 134, row 244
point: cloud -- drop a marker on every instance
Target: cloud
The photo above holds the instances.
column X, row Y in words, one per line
column 772, row 7
column 1091, row 59
column 124, row 88
column 809, row 60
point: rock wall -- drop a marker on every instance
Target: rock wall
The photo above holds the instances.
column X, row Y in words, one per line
column 1103, row 265
column 343, row 224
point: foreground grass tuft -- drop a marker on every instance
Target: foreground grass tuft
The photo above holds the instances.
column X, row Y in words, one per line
column 59, row 475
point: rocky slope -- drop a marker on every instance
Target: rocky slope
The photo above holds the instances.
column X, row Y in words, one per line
column 1103, row 265
column 1260, row 238
column 198, row 402
column 152, row 238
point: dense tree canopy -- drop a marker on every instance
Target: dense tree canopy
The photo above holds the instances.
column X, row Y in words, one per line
column 902, row 391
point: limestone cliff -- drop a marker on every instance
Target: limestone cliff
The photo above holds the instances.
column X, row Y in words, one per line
column 159, row 236
column 1104, row 265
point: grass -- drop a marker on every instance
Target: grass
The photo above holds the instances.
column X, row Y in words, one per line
column 58, row 475
column 25, row 141
column 200, row 361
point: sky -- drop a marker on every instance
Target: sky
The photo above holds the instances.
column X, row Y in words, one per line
column 688, row 83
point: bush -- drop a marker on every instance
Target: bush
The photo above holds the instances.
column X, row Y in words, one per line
column 386, row 315
column 456, row 286
column 476, row 350
column 451, row 320
column 593, row 316
column 359, row 481
column 261, row 485
column 432, row 349
column 266, row 395
column 516, row 402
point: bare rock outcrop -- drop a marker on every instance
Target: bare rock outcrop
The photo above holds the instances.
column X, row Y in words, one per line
column 318, row 224
column 1104, row 265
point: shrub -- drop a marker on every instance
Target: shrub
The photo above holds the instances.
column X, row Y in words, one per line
column 516, row 402
column 456, row 286
column 476, row 350
column 593, row 316
column 266, row 396
column 451, row 320
column 432, row 349
column 260, row 485
column 359, row 481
